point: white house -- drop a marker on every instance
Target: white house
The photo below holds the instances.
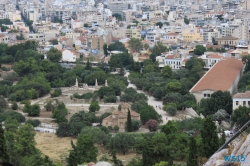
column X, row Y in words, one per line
column 241, row 99
column 211, row 59
column 68, row 55
column 174, row 61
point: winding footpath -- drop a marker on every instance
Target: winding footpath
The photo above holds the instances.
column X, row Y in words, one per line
column 152, row 101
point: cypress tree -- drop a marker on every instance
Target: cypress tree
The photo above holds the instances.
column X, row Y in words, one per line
column 88, row 66
column 3, row 148
column 222, row 139
column 210, row 140
column 192, row 157
column 129, row 122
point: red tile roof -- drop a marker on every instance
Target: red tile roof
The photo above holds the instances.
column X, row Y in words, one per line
column 242, row 95
column 220, row 77
column 170, row 57
column 172, row 34
column 214, row 56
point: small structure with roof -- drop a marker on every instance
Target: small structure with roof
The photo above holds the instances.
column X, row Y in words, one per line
column 119, row 118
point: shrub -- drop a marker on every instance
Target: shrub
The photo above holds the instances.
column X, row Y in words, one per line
column 4, row 68
column 94, row 106
column 14, row 115
column 116, row 128
column 14, row 106
column 34, row 122
column 171, row 110
column 152, row 125
column 110, row 127
column 56, row 93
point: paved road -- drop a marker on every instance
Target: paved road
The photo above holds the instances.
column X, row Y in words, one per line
column 153, row 102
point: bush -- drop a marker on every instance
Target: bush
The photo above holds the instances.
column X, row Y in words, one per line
column 116, row 128
column 110, row 99
column 32, row 110
column 94, row 106
column 14, row 115
column 171, row 110
column 14, row 106
column 152, row 125
column 136, row 124
column 34, row 122
column 56, row 93
column 4, row 68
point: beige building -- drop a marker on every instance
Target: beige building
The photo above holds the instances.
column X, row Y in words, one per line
column 241, row 99
column 133, row 32
column 119, row 118
column 37, row 36
column 228, row 41
column 4, row 38
column 224, row 76
column 191, row 37
column 97, row 41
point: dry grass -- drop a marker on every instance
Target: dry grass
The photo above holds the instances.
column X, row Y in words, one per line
column 55, row 147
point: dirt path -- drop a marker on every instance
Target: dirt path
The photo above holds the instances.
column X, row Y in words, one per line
column 153, row 102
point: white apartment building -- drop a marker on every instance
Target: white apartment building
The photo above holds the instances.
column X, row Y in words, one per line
column 117, row 7
column 151, row 35
column 208, row 35
column 243, row 31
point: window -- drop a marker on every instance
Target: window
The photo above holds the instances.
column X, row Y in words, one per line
column 205, row 95
column 248, row 103
column 244, row 102
column 208, row 95
column 237, row 103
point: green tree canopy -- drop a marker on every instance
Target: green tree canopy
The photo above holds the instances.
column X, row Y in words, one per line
column 135, row 44
column 160, row 24
column 3, row 148
column 219, row 100
column 157, row 50
column 94, row 106
column 240, row 116
column 54, row 55
column 83, row 151
column 186, row 20
column 122, row 142
column 199, row 50
column 167, row 72
column 210, row 138
column 192, row 156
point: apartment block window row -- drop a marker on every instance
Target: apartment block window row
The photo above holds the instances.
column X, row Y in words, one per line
column 243, row 103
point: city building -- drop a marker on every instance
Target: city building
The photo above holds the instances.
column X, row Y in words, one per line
column 241, row 99
column 224, row 76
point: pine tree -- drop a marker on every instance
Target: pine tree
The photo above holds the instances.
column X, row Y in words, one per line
column 116, row 161
column 192, row 157
column 129, row 122
column 210, row 140
column 83, row 151
column 88, row 66
column 3, row 149
column 222, row 139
